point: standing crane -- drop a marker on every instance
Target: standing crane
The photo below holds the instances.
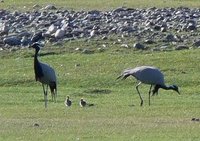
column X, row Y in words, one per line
column 148, row 75
column 44, row 74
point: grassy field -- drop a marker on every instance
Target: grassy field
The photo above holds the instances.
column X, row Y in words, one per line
column 116, row 114
column 97, row 4
column 113, row 117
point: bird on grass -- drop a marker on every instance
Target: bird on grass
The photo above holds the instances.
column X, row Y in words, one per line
column 68, row 102
column 148, row 75
column 83, row 103
column 44, row 74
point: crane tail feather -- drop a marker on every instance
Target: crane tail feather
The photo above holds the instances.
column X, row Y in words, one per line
column 125, row 74
column 53, row 88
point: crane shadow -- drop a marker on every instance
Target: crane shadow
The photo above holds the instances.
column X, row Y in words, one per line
column 131, row 105
column 98, row 91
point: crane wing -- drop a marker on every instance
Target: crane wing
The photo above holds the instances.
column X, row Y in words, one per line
column 145, row 74
column 149, row 75
column 49, row 74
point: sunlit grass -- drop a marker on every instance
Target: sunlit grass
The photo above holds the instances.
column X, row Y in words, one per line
column 113, row 117
column 116, row 114
column 96, row 4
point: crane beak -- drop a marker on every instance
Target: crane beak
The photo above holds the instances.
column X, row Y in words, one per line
column 178, row 92
column 119, row 77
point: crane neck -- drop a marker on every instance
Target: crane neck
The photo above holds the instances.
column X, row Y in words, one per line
column 157, row 87
column 36, row 58
column 37, row 66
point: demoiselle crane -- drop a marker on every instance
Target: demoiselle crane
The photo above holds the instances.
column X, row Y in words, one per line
column 148, row 75
column 44, row 74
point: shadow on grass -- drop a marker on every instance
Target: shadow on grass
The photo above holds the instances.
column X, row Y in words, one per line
column 98, row 91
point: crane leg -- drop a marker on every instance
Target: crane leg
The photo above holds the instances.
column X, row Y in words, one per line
column 150, row 94
column 53, row 89
column 55, row 95
column 139, row 93
column 52, row 95
column 45, row 94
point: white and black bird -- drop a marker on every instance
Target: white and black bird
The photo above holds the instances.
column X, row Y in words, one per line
column 68, row 102
column 148, row 75
column 44, row 74
column 82, row 102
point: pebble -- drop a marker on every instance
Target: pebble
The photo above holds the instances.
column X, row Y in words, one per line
column 138, row 46
column 181, row 47
column 150, row 26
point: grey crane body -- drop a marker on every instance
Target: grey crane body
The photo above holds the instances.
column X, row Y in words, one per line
column 44, row 74
column 148, row 75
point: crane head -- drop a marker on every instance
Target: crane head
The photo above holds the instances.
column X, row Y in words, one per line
column 36, row 46
column 175, row 88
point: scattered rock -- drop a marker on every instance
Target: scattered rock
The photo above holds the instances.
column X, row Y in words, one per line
column 12, row 41
column 50, row 7
column 156, row 49
column 124, row 45
column 59, row 34
column 149, row 41
column 138, row 46
column 170, row 38
column 87, row 51
column 196, row 43
column 101, row 49
column 181, row 47
column 148, row 26
column 36, row 6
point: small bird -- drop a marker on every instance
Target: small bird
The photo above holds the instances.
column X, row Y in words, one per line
column 68, row 102
column 148, row 75
column 44, row 74
column 82, row 102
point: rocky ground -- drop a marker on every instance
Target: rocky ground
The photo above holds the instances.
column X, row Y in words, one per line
column 161, row 28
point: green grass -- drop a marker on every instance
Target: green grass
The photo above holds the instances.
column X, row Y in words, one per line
column 96, row 4
column 113, row 117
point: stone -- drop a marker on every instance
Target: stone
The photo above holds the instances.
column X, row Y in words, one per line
column 138, row 46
